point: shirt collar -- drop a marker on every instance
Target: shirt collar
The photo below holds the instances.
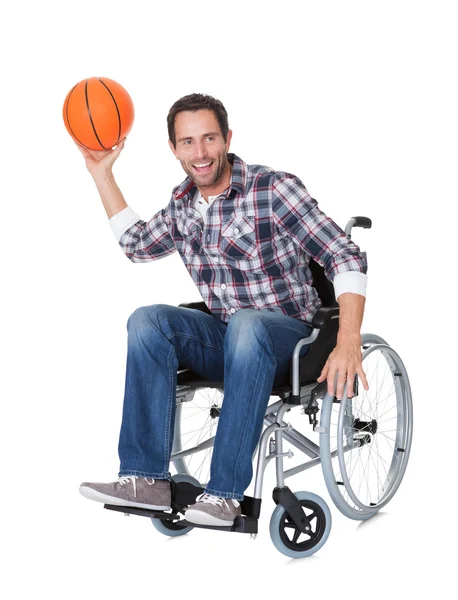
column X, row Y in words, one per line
column 187, row 188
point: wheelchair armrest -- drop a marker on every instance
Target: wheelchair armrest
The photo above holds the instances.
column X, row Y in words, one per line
column 324, row 315
column 197, row 306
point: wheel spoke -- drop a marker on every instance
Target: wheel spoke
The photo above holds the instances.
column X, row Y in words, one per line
column 198, row 419
column 311, row 516
column 296, row 536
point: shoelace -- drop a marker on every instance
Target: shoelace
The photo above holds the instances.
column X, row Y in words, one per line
column 127, row 478
column 216, row 500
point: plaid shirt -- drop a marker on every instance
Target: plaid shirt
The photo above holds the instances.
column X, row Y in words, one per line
column 254, row 247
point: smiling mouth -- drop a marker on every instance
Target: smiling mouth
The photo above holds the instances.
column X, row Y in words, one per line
column 203, row 167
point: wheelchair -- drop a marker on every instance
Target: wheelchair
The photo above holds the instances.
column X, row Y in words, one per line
column 364, row 441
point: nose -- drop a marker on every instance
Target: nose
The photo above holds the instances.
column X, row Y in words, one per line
column 200, row 149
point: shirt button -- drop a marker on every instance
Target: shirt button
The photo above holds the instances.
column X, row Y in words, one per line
column 208, row 238
column 232, row 310
column 216, row 259
column 223, row 286
column 236, row 230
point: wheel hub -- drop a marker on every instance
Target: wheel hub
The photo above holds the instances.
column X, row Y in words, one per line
column 215, row 411
column 365, row 426
column 364, row 431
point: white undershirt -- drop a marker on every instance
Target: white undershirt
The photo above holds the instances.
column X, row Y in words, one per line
column 200, row 203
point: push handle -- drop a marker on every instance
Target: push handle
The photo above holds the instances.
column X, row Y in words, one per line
column 357, row 222
column 362, row 222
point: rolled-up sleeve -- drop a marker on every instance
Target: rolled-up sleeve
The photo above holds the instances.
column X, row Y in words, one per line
column 122, row 221
column 143, row 241
column 298, row 215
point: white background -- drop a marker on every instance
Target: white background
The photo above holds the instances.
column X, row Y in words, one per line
column 358, row 100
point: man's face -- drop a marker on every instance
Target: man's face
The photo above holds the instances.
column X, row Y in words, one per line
column 200, row 147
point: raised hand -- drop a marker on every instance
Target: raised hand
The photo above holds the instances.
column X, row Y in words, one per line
column 100, row 162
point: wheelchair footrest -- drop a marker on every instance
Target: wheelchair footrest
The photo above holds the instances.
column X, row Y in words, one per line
column 241, row 525
column 143, row 512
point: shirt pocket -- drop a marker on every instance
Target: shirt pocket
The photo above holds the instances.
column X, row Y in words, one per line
column 238, row 238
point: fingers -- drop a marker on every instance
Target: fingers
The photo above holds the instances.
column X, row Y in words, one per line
column 98, row 154
column 341, row 380
column 117, row 150
column 84, row 151
column 329, row 372
column 339, row 374
column 362, row 376
column 332, row 376
column 350, row 383
column 88, row 153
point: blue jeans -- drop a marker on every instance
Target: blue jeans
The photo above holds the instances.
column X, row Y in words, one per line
column 251, row 354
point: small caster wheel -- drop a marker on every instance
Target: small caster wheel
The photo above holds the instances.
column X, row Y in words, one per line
column 170, row 528
column 286, row 536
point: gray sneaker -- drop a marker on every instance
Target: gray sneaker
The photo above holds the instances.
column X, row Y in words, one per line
column 142, row 492
column 213, row 510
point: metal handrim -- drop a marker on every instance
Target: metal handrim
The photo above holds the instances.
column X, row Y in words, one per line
column 373, row 436
column 393, row 432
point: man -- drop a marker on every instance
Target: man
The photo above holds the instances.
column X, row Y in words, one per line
column 245, row 234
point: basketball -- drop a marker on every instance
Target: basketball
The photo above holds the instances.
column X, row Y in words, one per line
column 98, row 112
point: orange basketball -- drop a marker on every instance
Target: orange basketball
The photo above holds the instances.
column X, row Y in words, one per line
column 98, row 112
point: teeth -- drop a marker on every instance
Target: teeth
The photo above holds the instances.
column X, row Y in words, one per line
column 205, row 165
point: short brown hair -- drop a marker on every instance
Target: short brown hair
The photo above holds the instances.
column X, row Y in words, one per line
column 195, row 102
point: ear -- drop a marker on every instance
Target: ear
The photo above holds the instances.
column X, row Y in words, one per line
column 228, row 141
column 173, row 149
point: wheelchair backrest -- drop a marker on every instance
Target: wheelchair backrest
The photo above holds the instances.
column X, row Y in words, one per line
column 312, row 363
column 323, row 286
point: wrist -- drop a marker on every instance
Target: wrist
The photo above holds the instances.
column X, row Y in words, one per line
column 349, row 337
column 104, row 178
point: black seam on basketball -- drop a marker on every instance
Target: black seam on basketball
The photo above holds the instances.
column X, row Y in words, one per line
column 117, row 110
column 68, row 120
column 90, row 117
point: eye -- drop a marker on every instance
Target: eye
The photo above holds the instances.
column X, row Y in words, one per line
column 210, row 138
column 186, row 142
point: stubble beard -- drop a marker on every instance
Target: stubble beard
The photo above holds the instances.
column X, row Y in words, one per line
column 220, row 168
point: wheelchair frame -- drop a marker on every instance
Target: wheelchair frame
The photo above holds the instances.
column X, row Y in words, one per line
column 302, row 391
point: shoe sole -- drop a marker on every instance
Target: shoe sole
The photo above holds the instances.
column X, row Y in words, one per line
column 202, row 518
column 100, row 497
